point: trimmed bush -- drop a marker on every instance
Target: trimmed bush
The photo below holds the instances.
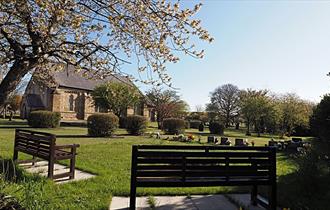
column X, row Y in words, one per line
column 44, row 119
column 101, row 125
column 216, row 128
column 173, row 126
column 195, row 123
column 136, row 124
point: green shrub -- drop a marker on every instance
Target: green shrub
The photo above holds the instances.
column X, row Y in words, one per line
column 44, row 119
column 195, row 123
column 301, row 130
column 173, row 125
column 136, row 124
column 216, row 128
column 102, row 124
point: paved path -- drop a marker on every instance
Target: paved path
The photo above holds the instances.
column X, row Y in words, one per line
column 195, row 202
column 41, row 168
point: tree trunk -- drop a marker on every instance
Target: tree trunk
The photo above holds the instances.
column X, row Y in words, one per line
column 159, row 121
column 227, row 120
column 248, row 128
column 237, row 126
column 12, row 79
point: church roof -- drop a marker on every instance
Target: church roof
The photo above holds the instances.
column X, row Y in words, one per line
column 72, row 79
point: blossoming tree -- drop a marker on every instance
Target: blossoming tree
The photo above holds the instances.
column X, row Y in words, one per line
column 94, row 35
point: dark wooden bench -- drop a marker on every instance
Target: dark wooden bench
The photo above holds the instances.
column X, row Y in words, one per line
column 202, row 166
column 43, row 145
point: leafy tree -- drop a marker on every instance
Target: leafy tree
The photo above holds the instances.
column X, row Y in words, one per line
column 15, row 102
column 94, row 35
column 320, row 119
column 167, row 104
column 199, row 108
column 255, row 108
column 116, row 97
column 294, row 112
column 225, row 102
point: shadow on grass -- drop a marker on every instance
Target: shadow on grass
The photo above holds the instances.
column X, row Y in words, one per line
column 10, row 172
column 14, row 127
column 74, row 136
column 297, row 191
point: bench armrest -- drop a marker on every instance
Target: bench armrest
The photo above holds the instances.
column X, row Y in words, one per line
column 67, row 146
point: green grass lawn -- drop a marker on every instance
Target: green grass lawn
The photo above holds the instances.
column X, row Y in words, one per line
column 109, row 159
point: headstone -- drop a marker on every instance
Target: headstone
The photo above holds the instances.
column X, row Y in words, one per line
column 211, row 139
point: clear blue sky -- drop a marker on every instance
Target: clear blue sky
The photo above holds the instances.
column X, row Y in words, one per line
column 283, row 46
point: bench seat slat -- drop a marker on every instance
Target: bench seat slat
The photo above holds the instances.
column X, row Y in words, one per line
column 39, row 138
column 202, row 160
column 198, row 173
column 34, row 146
column 201, row 167
column 33, row 153
column 188, row 154
column 197, row 147
column 200, row 182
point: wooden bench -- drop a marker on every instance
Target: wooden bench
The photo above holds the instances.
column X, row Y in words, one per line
column 203, row 166
column 43, row 145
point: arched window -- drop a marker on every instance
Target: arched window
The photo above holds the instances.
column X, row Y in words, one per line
column 71, row 102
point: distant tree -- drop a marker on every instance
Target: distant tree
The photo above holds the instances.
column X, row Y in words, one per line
column 202, row 116
column 199, row 108
column 166, row 104
column 94, row 35
column 15, row 102
column 116, row 97
column 225, row 102
column 255, row 108
column 320, row 119
column 294, row 112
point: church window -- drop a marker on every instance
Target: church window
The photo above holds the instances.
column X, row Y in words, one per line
column 71, row 102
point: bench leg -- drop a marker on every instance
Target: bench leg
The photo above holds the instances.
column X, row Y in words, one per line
column 15, row 156
column 72, row 166
column 254, row 194
column 272, row 197
column 51, row 168
column 132, row 200
column 33, row 160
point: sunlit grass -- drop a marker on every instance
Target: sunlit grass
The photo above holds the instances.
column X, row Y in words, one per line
column 109, row 159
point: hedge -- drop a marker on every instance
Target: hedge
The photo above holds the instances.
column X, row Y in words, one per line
column 136, row 124
column 44, row 119
column 101, row 125
column 195, row 123
column 173, row 126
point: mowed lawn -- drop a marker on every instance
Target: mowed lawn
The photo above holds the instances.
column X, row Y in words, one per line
column 109, row 159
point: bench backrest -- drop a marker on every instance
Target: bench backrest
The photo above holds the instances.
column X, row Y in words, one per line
column 184, row 166
column 34, row 143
